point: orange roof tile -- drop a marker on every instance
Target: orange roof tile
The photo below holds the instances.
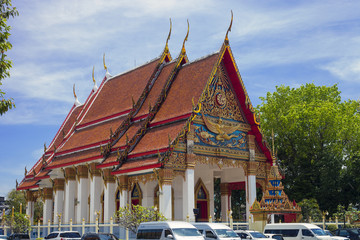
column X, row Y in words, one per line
column 78, row 157
column 91, row 135
column 134, row 165
column 130, row 133
column 156, row 89
column 189, row 83
column 117, row 93
column 27, row 184
column 158, row 138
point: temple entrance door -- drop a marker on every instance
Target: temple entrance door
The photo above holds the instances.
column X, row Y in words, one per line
column 202, row 202
column 136, row 195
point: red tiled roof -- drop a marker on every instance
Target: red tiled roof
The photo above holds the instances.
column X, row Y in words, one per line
column 27, row 184
column 157, row 138
column 117, row 93
column 138, row 165
column 91, row 135
column 156, row 89
column 189, row 83
column 78, row 157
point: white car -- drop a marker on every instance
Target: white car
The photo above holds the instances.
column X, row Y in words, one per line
column 274, row 236
column 335, row 237
column 64, row 235
column 250, row 234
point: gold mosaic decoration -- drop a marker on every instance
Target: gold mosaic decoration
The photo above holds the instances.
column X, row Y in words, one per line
column 219, row 99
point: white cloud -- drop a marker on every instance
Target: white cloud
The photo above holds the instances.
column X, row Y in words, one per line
column 347, row 69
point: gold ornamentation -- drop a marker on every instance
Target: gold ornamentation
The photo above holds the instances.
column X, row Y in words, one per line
column 219, row 100
column 220, row 129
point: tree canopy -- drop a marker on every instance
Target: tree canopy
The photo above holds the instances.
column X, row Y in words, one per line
column 317, row 138
column 6, row 11
column 130, row 217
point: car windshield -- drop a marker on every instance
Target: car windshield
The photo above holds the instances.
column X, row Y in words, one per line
column 70, row 235
column 355, row 231
column 107, row 237
column 318, row 232
column 328, row 233
column 189, row 232
column 257, row 235
column 225, row 233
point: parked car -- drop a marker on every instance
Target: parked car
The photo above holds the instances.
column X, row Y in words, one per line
column 19, row 236
column 217, row 231
column 3, row 237
column 351, row 233
column 297, row 231
column 64, row 235
column 335, row 237
column 250, row 234
column 98, row 236
column 274, row 236
column 175, row 230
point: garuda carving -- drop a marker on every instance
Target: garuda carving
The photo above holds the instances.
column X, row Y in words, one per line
column 222, row 131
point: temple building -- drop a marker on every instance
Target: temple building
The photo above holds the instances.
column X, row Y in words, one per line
column 157, row 135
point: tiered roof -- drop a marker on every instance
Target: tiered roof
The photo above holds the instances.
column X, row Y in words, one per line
column 274, row 199
column 134, row 120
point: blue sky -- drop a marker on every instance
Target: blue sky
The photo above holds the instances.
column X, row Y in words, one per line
column 57, row 43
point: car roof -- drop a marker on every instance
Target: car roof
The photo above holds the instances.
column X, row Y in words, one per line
column 212, row 225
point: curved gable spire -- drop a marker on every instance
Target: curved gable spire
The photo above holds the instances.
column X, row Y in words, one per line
column 166, row 53
column 107, row 75
column 77, row 103
column 95, row 88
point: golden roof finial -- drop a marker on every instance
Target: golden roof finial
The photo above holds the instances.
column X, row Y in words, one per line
column 186, row 37
column 93, row 78
column 105, row 67
column 229, row 29
column 168, row 38
column 74, row 91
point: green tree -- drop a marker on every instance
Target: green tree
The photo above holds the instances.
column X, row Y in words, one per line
column 18, row 223
column 6, row 11
column 131, row 217
column 310, row 208
column 15, row 198
column 316, row 135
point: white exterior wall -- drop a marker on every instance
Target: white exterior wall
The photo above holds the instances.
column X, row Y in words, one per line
column 147, row 190
column 70, row 194
column 96, row 188
column 82, row 210
column 109, row 201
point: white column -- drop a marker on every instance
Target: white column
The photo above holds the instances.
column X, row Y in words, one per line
column 225, row 206
column 82, row 198
column 70, row 194
column 48, row 205
column 30, row 210
column 96, row 188
column 58, row 199
column 109, row 200
column 165, row 205
column 188, row 195
column 123, row 185
column 250, row 193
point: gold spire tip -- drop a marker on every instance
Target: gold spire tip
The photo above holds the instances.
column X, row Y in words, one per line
column 74, row 91
column 186, row 37
column 229, row 29
column 93, row 78
column 168, row 38
column 105, row 67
